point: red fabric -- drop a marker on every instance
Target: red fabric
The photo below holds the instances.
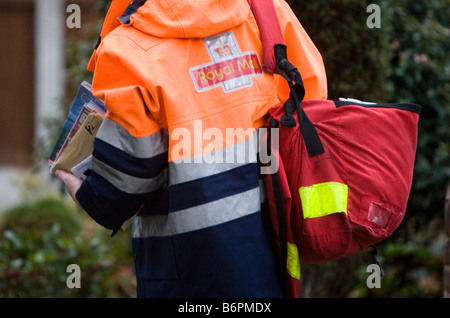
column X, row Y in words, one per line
column 372, row 150
column 270, row 30
column 293, row 284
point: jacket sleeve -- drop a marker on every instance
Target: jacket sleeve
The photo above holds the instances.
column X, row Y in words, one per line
column 130, row 148
column 303, row 54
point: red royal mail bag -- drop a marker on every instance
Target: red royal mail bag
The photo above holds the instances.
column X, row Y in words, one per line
column 344, row 167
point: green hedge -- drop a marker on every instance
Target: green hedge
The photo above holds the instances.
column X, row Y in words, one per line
column 356, row 57
column 41, row 214
column 421, row 74
column 40, row 239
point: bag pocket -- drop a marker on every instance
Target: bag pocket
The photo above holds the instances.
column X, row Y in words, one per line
column 380, row 217
column 326, row 231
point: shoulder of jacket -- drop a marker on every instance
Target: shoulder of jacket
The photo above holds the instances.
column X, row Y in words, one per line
column 137, row 38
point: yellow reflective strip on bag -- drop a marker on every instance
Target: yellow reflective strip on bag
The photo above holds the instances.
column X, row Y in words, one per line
column 293, row 261
column 323, row 199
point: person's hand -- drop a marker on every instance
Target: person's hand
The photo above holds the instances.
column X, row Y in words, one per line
column 71, row 181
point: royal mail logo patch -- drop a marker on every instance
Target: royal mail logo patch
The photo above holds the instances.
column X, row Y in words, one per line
column 229, row 68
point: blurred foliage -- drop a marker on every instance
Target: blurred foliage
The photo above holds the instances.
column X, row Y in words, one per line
column 356, row 57
column 413, row 268
column 80, row 45
column 421, row 74
column 41, row 238
column 42, row 213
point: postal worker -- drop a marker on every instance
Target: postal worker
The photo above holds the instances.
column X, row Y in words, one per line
column 175, row 155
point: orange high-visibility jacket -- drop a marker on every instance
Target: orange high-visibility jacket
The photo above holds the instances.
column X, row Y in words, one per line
column 186, row 95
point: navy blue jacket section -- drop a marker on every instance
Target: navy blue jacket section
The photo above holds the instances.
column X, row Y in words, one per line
column 123, row 162
column 197, row 264
column 110, row 206
column 200, row 191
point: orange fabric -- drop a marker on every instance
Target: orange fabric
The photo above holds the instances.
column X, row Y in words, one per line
column 116, row 8
column 150, row 73
column 303, row 54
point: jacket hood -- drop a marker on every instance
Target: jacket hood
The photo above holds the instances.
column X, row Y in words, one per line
column 189, row 18
column 175, row 18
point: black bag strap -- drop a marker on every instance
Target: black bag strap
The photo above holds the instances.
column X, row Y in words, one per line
column 297, row 92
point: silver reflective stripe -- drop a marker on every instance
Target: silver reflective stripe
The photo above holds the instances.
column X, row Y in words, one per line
column 219, row 161
column 127, row 183
column 139, row 147
column 199, row 217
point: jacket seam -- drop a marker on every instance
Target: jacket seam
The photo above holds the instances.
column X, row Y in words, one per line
column 134, row 41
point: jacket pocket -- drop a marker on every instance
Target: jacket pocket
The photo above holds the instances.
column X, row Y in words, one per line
column 154, row 258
